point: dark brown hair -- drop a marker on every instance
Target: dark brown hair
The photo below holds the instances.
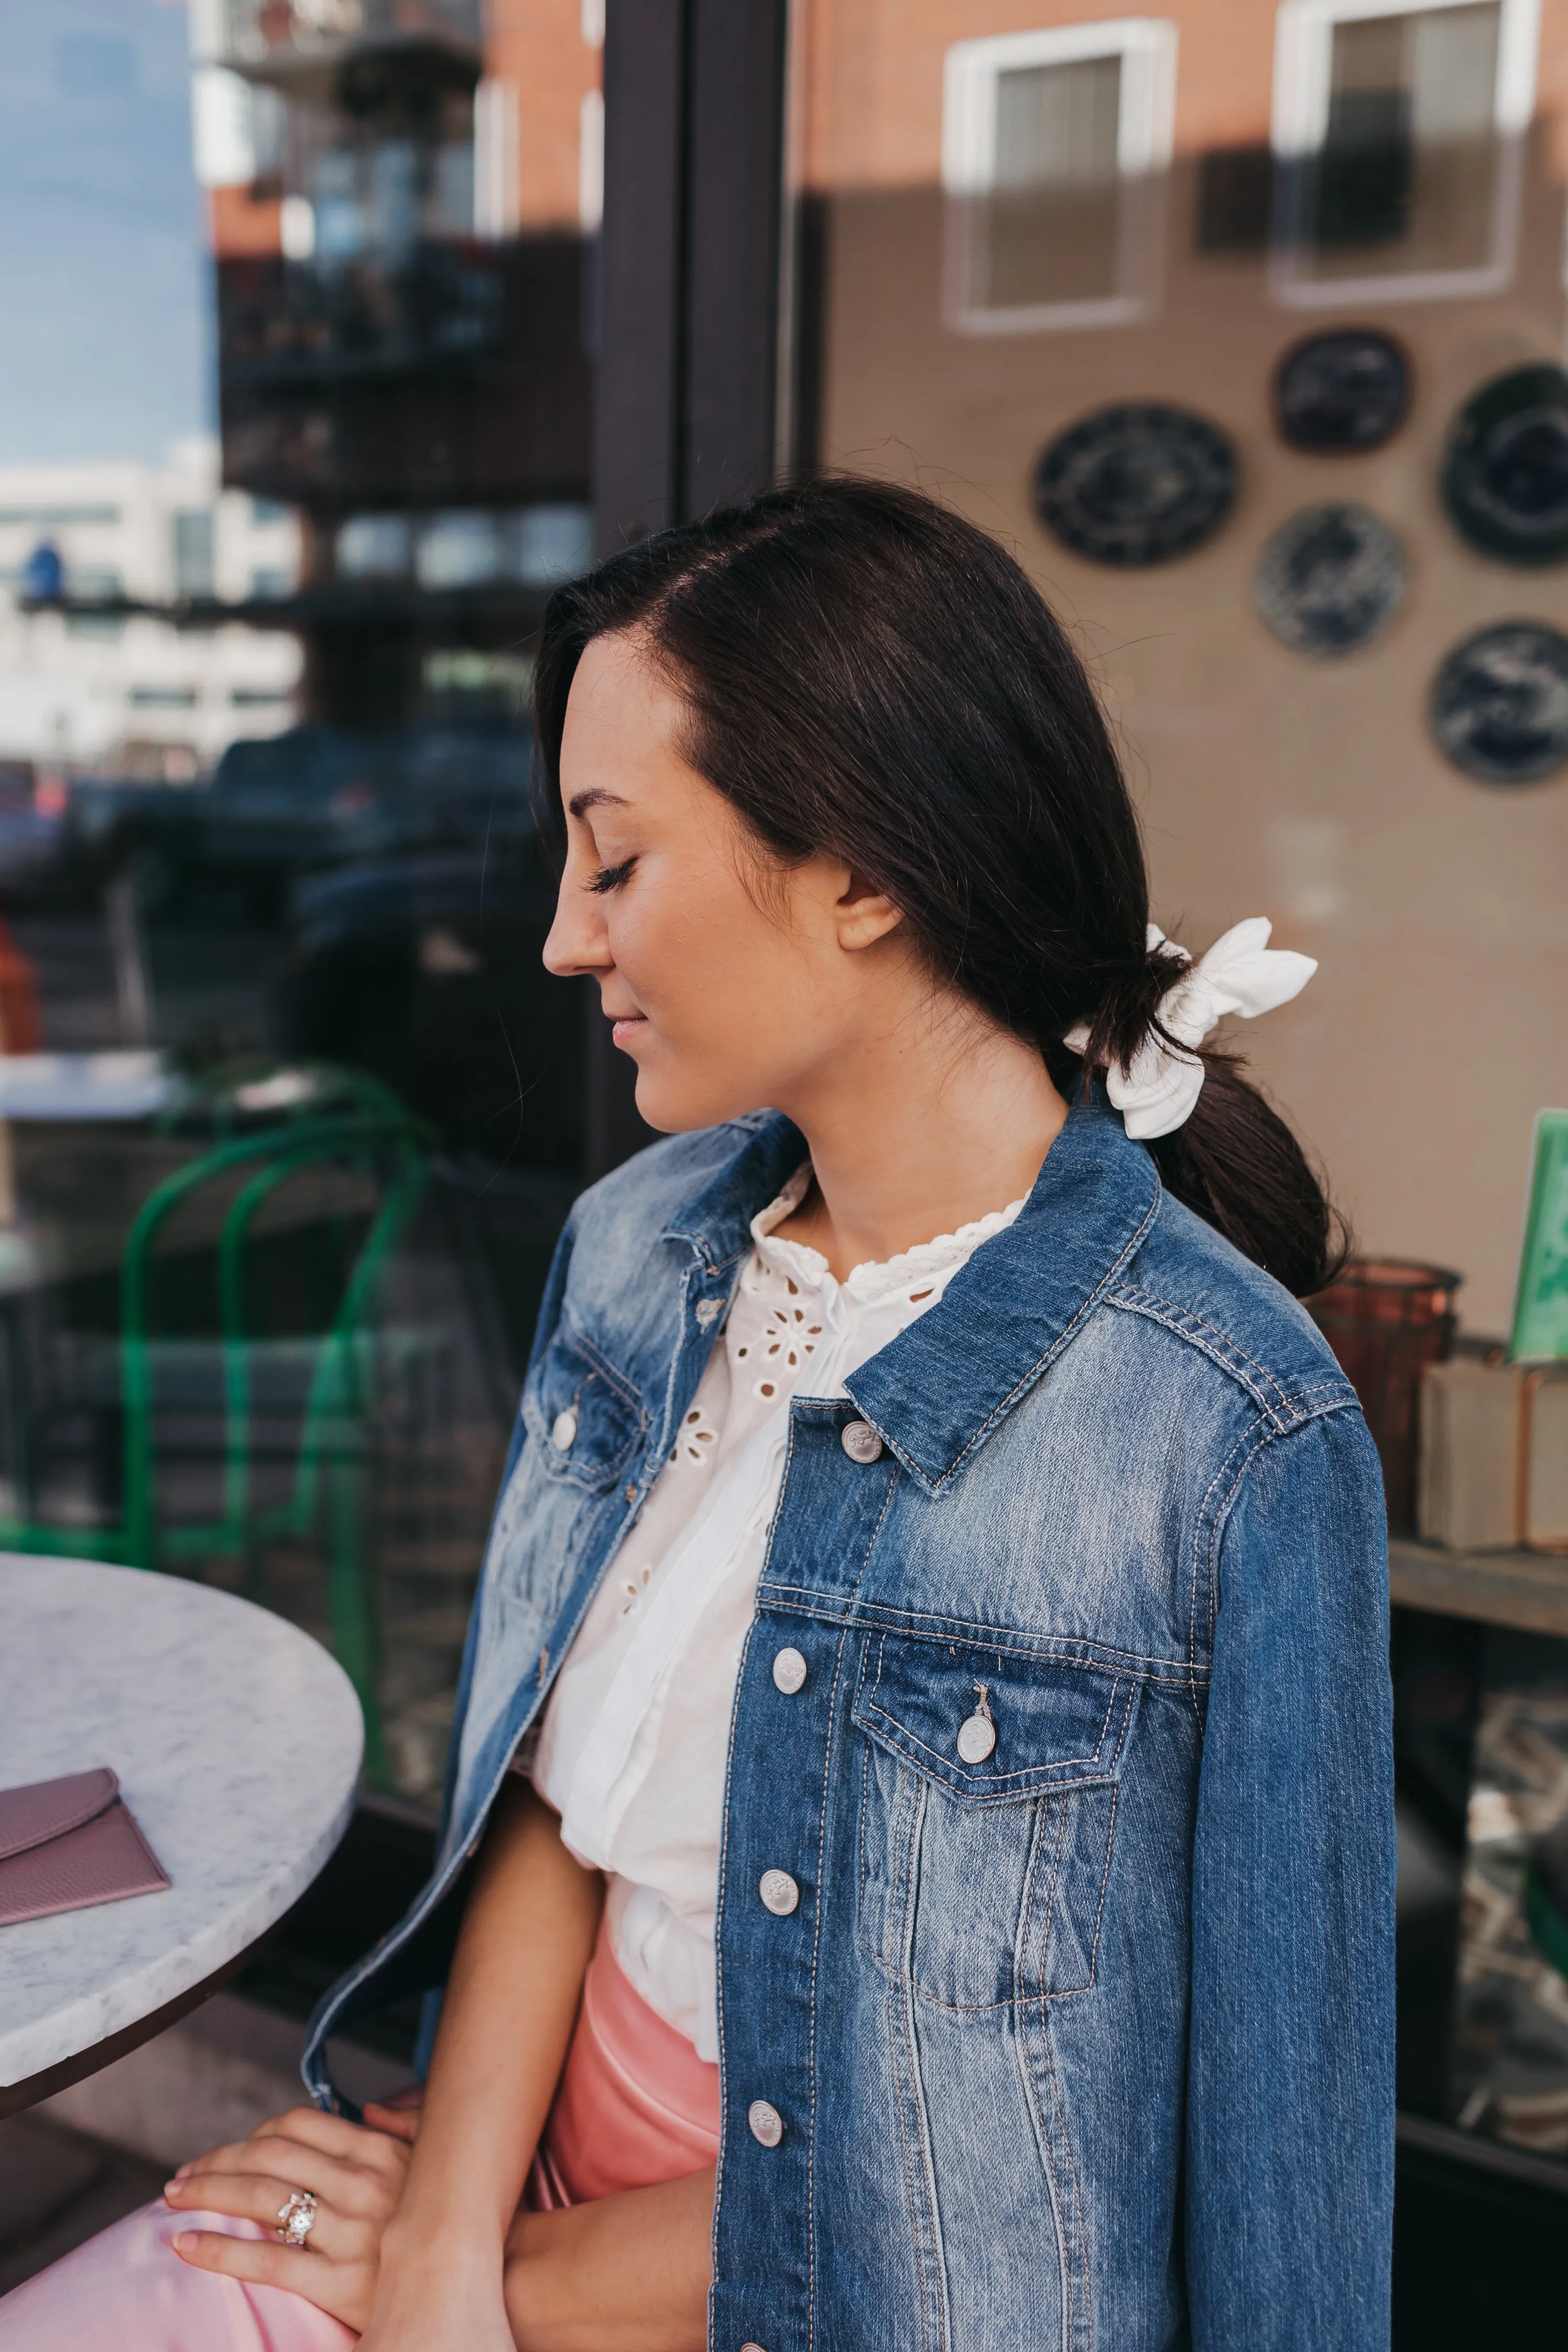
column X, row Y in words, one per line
column 871, row 675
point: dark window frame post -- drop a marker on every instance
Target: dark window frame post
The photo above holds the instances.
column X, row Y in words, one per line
column 686, row 381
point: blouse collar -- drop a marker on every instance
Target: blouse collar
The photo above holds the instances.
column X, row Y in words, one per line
column 874, row 1279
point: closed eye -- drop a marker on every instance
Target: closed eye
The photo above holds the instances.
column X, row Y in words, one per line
column 610, row 877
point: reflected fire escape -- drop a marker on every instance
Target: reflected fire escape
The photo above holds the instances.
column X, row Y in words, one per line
column 418, row 390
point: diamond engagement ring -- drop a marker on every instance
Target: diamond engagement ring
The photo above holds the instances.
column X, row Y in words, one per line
column 297, row 2217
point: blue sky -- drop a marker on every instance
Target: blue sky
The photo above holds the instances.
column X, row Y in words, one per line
column 105, row 337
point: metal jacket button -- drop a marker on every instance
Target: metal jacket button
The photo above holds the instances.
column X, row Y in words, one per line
column 976, row 1739
column 750, row 2347
column 779, row 1891
column 563, row 1431
column 767, row 2124
column 860, row 1441
column 789, row 1672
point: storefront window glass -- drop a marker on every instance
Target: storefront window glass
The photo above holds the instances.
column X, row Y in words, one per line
column 294, row 436
column 1244, row 328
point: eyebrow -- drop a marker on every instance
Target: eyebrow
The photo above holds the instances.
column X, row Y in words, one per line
column 597, row 797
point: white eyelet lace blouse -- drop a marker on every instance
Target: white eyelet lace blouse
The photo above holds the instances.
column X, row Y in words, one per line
column 632, row 1747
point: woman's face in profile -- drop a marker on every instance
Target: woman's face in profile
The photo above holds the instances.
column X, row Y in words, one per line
column 730, row 979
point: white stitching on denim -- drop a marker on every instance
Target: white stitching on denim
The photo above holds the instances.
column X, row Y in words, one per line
column 581, row 1345
column 1043, row 1804
column 1247, row 1435
column 1043, row 2141
column 1185, row 1324
column 1188, row 1321
column 1104, row 1883
column 1220, row 1518
column 1049, row 1922
column 1021, row 1947
column 1028, row 1378
column 899, row 1996
column 873, row 1617
column 1024, row 1772
column 1076, row 2193
column 1222, row 1515
column 815, row 1948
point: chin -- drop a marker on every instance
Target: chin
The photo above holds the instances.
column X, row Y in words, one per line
column 675, row 1108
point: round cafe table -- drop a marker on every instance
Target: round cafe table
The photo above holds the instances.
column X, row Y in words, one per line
column 238, row 1742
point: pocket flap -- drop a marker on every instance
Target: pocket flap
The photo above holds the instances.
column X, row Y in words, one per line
column 49, row 1809
column 1055, row 1725
column 586, row 1420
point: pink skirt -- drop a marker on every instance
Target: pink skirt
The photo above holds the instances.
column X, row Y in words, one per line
column 635, row 2106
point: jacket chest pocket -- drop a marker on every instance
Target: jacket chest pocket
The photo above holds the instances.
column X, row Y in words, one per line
column 988, row 1797
column 587, row 1420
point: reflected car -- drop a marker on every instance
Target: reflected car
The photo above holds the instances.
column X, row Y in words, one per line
column 314, row 797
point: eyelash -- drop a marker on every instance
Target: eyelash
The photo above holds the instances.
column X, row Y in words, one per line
column 610, row 877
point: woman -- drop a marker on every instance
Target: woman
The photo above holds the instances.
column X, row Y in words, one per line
column 923, row 1748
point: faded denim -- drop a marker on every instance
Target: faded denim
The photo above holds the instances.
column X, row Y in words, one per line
column 1089, row 2044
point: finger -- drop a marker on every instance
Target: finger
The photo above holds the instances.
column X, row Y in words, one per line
column 285, row 2126
column 397, row 2123
column 381, row 2158
column 247, row 2197
column 374, row 2156
column 307, row 2127
column 333, row 2135
column 261, row 2262
column 314, row 2129
column 360, row 2195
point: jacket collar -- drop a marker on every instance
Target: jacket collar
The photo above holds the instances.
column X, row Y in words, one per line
column 939, row 1388
column 718, row 1222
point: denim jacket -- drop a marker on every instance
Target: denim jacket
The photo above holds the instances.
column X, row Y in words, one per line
column 1086, row 2041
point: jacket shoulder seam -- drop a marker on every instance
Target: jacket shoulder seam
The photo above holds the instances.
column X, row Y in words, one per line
column 1285, row 1407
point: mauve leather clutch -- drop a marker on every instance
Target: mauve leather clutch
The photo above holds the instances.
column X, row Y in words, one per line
column 66, row 1844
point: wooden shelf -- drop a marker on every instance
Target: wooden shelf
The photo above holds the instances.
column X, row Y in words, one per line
column 1527, row 1589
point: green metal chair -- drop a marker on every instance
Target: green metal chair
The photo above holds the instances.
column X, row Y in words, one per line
column 338, row 1366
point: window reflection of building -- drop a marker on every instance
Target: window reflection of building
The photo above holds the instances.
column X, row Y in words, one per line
column 401, row 328
column 1397, row 127
column 1052, row 147
column 133, row 693
column 1243, row 748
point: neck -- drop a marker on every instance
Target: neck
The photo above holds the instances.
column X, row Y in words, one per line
column 917, row 1132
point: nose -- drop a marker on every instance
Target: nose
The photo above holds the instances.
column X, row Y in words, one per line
column 578, row 941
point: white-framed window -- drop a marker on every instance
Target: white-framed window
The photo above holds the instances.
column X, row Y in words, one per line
column 1055, row 148
column 1398, row 132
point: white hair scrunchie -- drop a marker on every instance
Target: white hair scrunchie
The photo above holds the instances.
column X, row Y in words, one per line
column 1241, row 973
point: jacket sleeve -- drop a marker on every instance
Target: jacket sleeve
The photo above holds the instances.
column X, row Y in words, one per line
column 1290, row 2135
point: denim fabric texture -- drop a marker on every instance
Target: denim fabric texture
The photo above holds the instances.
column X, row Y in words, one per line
column 1089, row 2043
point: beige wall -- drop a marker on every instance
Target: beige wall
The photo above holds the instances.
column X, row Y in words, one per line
column 1270, row 783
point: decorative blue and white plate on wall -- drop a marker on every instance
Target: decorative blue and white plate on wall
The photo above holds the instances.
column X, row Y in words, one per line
column 1505, row 477
column 1329, row 579
column 1499, row 703
column 1342, row 392
column 1137, row 484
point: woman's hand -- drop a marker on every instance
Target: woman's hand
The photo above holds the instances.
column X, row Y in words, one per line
column 354, row 2171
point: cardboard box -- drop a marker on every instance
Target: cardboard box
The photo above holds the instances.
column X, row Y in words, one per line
column 1494, row 1456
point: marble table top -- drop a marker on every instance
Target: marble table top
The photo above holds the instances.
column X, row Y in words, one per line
column 238, row 1742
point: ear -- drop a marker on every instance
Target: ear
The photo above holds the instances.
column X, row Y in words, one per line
column 863, row 914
